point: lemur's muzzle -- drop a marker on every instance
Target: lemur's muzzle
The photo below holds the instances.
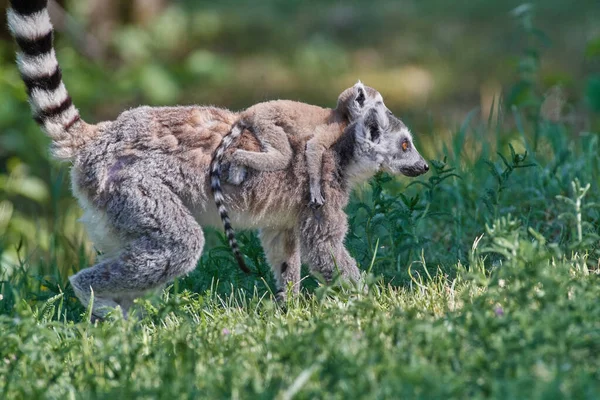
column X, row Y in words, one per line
column 415, row 169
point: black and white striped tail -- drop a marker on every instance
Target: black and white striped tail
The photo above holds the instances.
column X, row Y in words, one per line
column 217, row 191
column 53, row 110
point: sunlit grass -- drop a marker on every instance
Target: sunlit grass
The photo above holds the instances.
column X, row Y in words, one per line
column 483, row 284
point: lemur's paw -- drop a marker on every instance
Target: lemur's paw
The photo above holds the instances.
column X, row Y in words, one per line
column 237, row 174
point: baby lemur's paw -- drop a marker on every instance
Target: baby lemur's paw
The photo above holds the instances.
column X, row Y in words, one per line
column 237, row 174
column 316, row 200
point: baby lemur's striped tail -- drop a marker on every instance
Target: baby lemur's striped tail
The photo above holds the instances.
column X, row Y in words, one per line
column 53, row 110
column 217, row 191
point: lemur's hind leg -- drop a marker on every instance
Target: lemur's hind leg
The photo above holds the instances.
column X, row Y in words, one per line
column 277, row 152
column 282, row 249
column 162, row 239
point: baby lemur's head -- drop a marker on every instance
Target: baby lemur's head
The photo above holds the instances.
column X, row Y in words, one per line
column 353, row 101
column 382, row 141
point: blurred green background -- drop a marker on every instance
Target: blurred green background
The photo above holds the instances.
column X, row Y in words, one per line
column 434, row 61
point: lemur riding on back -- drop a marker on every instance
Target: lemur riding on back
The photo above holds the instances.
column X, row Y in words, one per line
column 144, row 179
column 272, row 123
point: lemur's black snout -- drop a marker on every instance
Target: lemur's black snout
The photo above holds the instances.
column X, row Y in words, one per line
column 421, row 168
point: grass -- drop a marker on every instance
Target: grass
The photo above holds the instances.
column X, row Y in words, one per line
column 479, row 335
column 483, row 283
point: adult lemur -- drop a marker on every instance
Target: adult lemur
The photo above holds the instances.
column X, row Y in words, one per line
column 143, row 180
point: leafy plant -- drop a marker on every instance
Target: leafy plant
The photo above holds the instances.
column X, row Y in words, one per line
column 583, row 236
column 502, row 176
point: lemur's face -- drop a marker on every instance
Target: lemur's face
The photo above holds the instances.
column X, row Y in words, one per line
column 383, row 139
column 402, row 156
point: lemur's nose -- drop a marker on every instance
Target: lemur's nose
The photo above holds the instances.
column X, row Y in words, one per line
column 426, row 167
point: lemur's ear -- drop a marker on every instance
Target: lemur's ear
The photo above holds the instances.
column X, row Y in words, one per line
column 372, row 125
column 366, row 130
column 357, row 101
column 359, row 94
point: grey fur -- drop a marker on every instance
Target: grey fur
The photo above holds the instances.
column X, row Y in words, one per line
column 143, row 181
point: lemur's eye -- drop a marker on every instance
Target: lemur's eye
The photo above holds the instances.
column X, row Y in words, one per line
column 405, row 145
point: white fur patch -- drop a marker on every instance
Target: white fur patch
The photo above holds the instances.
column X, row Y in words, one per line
column 62, row 153
column 56, row 125
column 235, row 132
column 226, row 142
column 55, row 131
column 362, row 170
column 30, row 26
column 218, row 154
column 237, row 174
column 97, row 223
column 66, row 116
column 44, row 99
column 219, row 197
column 37, row 66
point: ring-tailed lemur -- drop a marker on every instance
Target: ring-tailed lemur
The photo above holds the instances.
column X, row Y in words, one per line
column 143, row 181
column 272, row 123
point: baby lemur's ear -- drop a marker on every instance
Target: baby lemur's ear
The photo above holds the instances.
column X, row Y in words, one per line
column 358, row 101
column 359, row 94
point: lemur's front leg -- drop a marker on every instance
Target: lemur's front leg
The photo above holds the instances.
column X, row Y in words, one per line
column 322, row 243
column 282, row 249
column 314, row 162
column 324, row 137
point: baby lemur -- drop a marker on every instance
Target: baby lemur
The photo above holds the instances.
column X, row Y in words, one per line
column 143, row 180
column 273, row 121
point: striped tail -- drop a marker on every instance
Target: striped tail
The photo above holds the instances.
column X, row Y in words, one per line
column 217, row 191
column 53, row 110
